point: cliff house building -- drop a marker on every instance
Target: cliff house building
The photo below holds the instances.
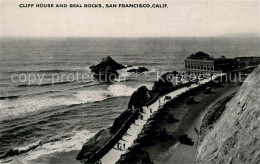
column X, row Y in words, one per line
column 201, row 63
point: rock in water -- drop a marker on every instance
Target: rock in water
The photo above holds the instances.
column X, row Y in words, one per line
column 235, row 136
column 106, row 70
column 106, row 63
column 138, row 70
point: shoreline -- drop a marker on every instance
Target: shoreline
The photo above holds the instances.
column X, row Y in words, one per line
column 180, row 129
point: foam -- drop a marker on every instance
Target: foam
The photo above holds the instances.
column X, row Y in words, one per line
column 21, row 106
column 117, row 90
column 63, row 145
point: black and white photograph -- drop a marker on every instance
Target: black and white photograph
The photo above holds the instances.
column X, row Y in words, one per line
column 129, row 81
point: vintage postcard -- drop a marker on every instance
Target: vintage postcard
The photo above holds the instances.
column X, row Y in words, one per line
column 129, row 81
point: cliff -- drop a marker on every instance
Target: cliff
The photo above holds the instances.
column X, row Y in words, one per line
column 213, row 115
column 164, row 83
column 234, row 137
column 139, row 98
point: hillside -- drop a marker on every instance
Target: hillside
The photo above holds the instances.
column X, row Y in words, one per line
column 235, row 136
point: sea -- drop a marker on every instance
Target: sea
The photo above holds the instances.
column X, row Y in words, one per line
column 50, row 104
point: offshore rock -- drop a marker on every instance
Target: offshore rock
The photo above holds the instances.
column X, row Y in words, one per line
column 106, row 63
column 107, row 75
column 106, row 69
column 234, row 137
column 138, row 70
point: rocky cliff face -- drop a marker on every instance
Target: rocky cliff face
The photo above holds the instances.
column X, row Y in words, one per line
column 139, row 98
column 235, row 137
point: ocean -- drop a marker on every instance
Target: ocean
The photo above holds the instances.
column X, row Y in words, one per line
column 48, row 107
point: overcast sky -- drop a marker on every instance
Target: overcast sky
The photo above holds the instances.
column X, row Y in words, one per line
column 181, row 18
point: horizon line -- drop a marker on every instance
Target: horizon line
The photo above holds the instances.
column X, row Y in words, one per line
column 129, row 37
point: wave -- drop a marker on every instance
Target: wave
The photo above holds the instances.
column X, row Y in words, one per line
column 114, row 90
column 45, row 84
column 40, row 93
column 8, row 97
column 88, row 84
column 61, row 143
column 83, row 82
column 25, row 105
column 42, row 71
column 26, row 95
column 121, row 90
column 17, row 151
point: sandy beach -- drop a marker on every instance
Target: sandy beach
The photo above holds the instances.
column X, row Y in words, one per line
column 190, row 117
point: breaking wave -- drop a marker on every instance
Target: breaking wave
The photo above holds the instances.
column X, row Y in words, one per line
column 64, row 143
column 8, row 97
column 42, row 71
column 45, row 84
column 20, row 106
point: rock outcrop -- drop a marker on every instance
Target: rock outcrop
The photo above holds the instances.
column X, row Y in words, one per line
column 94, row 144
column 138, row 70
column 139, row 98
column 106, row 69
column 120, row 120
column 164, row 83
column 235, row 137
column 106, row 63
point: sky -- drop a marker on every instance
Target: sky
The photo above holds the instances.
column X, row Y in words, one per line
column 182, row 18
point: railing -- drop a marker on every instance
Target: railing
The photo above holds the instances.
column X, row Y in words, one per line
column 104, row 149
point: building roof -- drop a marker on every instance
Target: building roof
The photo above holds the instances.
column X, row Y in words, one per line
column 200, row 56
